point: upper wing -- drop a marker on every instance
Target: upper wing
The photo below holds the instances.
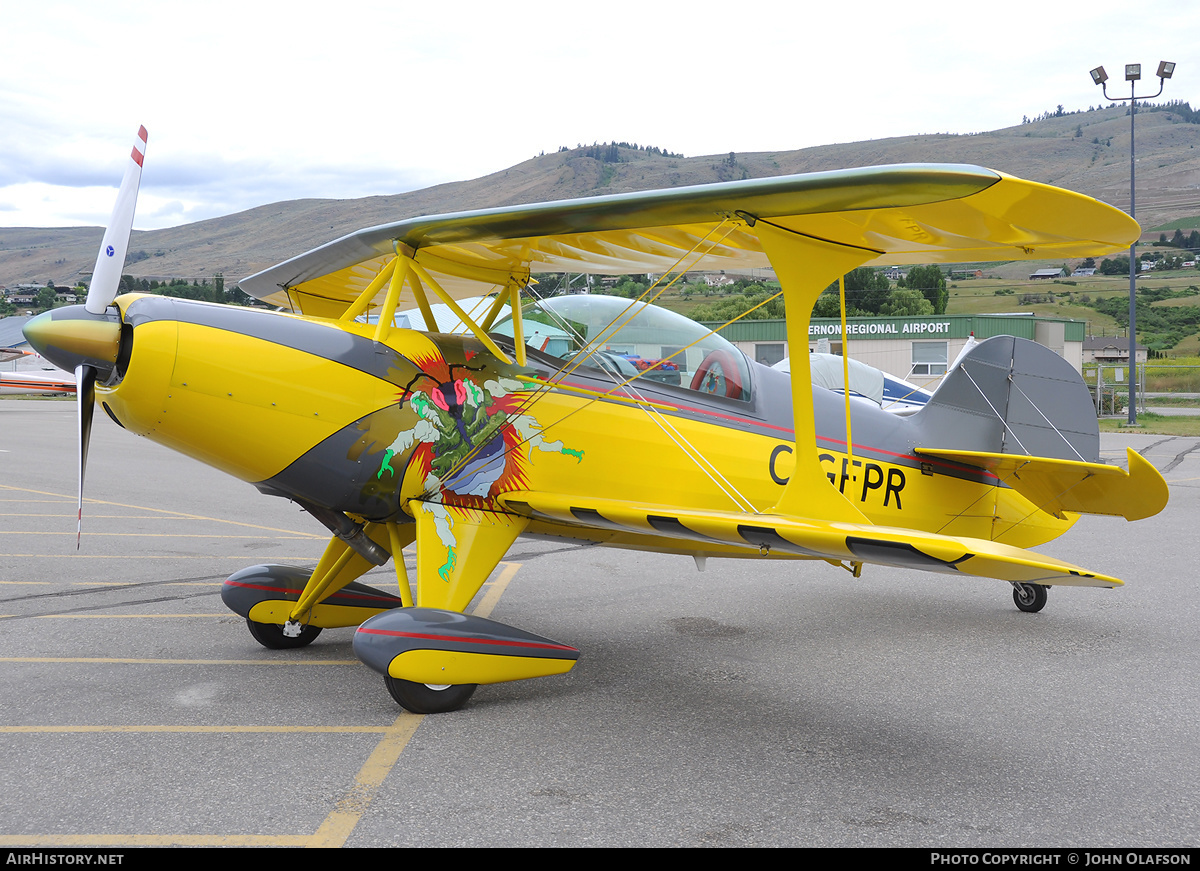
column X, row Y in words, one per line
column 893, row 214
column 807, row 537
column 809, row 228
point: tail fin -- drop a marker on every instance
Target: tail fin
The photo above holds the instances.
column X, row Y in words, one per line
column 1013, row 396
column 1020, row 411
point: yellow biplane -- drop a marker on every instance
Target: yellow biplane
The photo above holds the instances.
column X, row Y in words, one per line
column 602, row 419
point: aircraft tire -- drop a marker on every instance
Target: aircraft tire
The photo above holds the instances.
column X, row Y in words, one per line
column 1030, row 598
column 419, row 698
column 270, row 635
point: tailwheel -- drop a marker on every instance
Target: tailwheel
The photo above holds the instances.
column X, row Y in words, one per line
column 270, row 635
column 1030, row 598
column 421, row 698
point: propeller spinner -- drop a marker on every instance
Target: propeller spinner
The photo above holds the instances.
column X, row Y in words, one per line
column 86, row 338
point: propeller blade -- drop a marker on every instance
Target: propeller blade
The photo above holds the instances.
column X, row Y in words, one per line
column 85, row 404
column 106, row 276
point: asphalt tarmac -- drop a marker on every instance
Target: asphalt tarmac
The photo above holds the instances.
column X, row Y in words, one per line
column 755, row 704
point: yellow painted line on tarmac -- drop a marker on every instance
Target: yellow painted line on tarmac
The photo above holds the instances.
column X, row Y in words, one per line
column 336, row 828
column 125, row 660
column 125, row 616
column 160, row 535
column 71, row 515
column 496, row 589
column 339, row 825
column 243, row 557
column 182, row 514
column 157, row 584
column 37, row 501
column 154, row 840
column 208, row 730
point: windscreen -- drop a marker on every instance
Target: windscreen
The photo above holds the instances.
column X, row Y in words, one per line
column 626, row 338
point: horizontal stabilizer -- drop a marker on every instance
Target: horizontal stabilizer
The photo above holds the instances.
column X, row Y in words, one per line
column 1056, row 486
column 808, row 537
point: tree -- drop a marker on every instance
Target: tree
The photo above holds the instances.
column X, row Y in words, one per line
column 237, row 296
column 728, row 309
column 828, row 304
column 866, row 290
column 1114, row 266
column 628, row 288
column 932, row 284
column 905, row 302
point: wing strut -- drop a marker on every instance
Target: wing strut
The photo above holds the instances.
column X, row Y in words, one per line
column 404, row 269
column 805, row 266
column 363, row 302
column 846, row 375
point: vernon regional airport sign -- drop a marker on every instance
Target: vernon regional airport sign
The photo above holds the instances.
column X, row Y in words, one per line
column 883, row 328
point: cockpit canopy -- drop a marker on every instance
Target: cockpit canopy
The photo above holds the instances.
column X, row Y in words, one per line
column 626, row 338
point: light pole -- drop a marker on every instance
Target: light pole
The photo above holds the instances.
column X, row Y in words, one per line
column 1133, row 72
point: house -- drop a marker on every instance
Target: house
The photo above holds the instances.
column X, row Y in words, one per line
column 1110, row 349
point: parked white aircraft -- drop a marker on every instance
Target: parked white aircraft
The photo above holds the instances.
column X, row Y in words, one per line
column 18, row 381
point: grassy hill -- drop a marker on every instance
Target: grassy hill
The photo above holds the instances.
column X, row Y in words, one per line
column 1086, row 151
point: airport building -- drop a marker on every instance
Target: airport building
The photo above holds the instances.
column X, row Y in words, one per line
column 918, row 349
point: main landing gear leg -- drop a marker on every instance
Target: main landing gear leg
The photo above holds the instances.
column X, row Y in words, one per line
column 264, row 594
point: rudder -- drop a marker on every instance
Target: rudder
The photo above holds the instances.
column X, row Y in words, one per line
column 1013, row 396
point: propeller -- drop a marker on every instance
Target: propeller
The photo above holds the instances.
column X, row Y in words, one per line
column 106, row 276
column 85, row 403
column 86, row 338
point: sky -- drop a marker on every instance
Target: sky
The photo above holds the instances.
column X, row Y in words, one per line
column 249, row 103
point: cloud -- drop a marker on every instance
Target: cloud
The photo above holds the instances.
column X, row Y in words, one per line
column 246, row 106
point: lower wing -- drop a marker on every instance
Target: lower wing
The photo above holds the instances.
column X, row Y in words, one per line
column 808, row 537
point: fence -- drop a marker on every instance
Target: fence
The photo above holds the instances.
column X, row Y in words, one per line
column 1110, row 384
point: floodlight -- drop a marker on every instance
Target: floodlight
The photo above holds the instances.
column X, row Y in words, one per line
column 1133, row 74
